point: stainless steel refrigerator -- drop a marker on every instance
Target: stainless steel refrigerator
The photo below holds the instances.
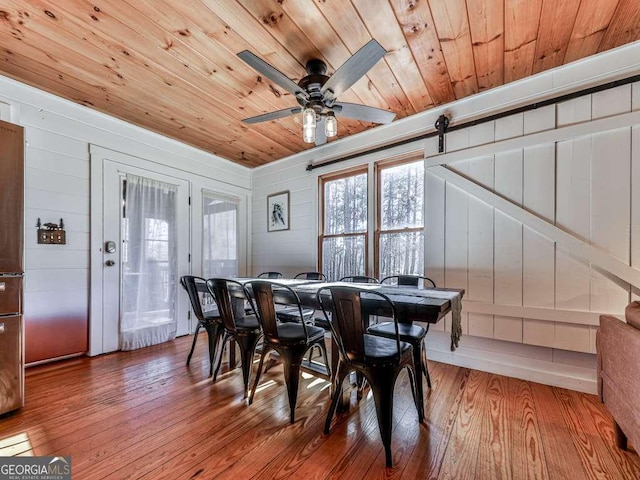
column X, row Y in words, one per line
column 11, row 266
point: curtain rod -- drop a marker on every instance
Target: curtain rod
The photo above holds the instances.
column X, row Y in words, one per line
column 489, row 118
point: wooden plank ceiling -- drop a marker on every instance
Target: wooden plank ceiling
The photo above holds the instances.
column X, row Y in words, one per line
column 171, row 65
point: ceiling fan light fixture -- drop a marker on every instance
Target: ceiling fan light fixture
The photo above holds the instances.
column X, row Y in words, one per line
column 331, row 125
column 309, row 125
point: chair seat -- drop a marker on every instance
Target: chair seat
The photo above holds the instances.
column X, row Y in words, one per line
column 250, row 322
column 322, row 322
column 211, row 319
column 381, row 349
column 292, row 314
column 406, row 331
column 292, row 332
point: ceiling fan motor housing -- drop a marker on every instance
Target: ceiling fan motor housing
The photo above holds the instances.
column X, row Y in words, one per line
column 312, row 84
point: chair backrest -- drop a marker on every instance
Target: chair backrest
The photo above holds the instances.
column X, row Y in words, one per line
column 262, row 295
column 199, row 296
column 408, row 280
column 270, row 275
column 359, row 279
column 312, row 276
column 219, row 289
column 348, row 324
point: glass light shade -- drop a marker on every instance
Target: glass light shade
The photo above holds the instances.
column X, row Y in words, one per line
column 309, row 118
column 309, row 125
column 309, row 134
column 330, row 125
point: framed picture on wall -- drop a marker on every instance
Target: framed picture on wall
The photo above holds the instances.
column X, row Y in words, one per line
column 278, row 211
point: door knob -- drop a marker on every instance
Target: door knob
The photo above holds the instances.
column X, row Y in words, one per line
column 109, row 263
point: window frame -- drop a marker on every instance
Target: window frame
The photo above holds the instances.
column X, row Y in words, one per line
column 378, row 167
column 322, row 180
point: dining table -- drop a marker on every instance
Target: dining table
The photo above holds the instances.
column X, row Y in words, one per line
column 411, row 303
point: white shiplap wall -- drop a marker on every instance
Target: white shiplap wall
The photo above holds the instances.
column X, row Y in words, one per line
column 531, row 306
column 58, row 135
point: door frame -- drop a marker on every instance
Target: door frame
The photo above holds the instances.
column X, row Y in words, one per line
column 102, row 159
column 197, row 183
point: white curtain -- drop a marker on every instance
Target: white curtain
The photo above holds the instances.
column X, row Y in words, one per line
column 219, row 235
column 149, row 275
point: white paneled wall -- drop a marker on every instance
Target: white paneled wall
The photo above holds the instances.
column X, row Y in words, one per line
column 537, row 273
column 581, row 185
column 58, row 135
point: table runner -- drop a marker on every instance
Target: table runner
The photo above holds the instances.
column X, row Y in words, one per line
column 453, row 297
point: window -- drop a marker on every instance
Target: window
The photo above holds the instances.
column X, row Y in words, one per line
column 219, row 235
column 343, row 238
column 399, row 227
column 400, row 237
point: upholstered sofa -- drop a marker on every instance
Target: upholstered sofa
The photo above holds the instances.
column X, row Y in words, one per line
column 618, row 347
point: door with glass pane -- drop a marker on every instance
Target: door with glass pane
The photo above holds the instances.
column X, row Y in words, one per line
column 219, row 235
column 146, row 239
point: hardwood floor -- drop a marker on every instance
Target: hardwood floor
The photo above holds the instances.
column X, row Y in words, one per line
column 144, row 415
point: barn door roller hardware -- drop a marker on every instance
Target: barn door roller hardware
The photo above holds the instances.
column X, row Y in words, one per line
column 471, row 123
column 442, row 124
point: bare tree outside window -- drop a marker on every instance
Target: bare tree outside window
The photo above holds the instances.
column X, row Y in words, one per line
column 401, row 219
column 399, row 234
column 343, row 240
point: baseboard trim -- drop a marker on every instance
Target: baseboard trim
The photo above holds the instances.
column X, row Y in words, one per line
column 537, row 370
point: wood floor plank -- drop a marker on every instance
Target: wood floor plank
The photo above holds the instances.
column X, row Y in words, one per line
column 587, row 438
column 461, row 456
column 493, row 455
column 441, row 409
column 562, row 458
column 145, row 415
column 527, row 455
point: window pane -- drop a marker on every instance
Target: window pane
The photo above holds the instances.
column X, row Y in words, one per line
column 219, row 236
column 343, row 256
column 401, row 254
column 345, row 205
column 402, row 195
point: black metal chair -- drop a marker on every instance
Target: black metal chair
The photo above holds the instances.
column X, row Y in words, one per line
column 359, row 279
column 409, row 332
column 380, row 360
column 291, row 340
column 208, row 317
column 245, row 330
column 408, row 280
column 270, row 275
column 311, row 276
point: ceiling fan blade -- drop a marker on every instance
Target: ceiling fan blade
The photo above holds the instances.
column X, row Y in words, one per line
column 273, row 115
column 353, row 69
column 321, row 137
column 363, row 112
column 272, row 73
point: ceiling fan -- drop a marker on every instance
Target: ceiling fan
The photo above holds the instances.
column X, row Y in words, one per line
column 317, row 93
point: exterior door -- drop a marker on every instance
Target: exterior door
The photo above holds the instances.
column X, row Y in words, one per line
column 126, row 267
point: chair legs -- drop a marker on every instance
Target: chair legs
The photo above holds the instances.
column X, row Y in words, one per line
column 213, row 333
column 382, row 388
column 193, row 345
column 340, row 375
column 419, row 361
column 247, row 344
column 291, row 363
column 291, row 360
